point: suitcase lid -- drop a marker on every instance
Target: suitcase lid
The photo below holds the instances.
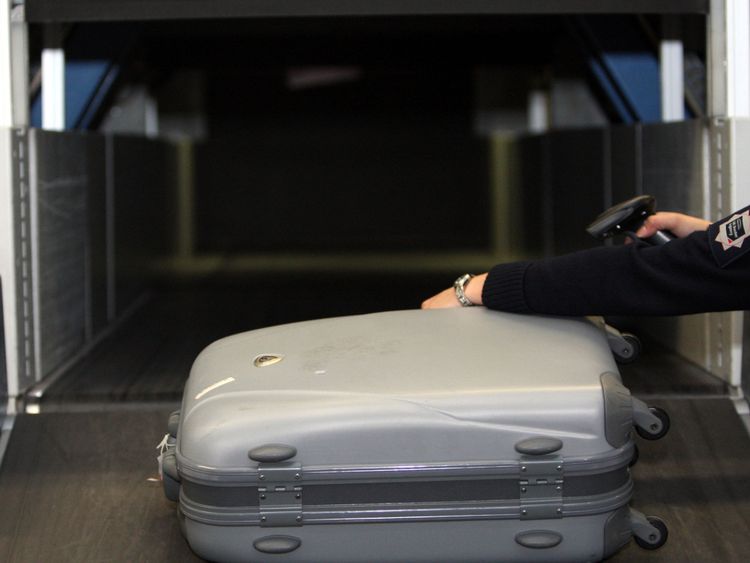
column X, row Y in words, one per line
column 397, row 388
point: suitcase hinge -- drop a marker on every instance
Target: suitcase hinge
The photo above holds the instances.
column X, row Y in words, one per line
column 541, row 488
column 280, row 494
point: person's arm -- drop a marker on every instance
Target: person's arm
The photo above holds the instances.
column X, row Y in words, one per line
column 677, row 278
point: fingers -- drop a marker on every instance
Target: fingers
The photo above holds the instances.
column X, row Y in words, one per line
column 679, row 224
column 444, row 299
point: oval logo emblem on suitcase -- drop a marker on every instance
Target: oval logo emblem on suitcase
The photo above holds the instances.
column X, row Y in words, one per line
column 265, row 360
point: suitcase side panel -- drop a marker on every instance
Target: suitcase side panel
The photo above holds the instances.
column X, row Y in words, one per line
column 448, row 386
column 580, row 539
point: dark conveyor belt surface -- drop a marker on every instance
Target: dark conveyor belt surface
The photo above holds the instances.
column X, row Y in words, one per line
column 75, row 487
column 149, row 357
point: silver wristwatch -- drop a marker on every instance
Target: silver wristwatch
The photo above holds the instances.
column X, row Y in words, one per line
column 460, row 286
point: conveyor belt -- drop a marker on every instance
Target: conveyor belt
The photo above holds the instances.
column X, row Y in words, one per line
column 150, row 357
column 75, row 486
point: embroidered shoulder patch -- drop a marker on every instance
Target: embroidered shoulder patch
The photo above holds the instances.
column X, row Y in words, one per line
column 727, row 237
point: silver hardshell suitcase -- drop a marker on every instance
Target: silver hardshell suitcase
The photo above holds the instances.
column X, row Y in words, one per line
column 446, row 435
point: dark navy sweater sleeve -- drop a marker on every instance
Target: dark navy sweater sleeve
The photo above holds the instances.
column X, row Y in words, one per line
column 680, row 277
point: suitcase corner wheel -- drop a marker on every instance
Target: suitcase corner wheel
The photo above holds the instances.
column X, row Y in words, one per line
column 626, row 347
column 623, row 412
column 649, row 532
column 651, row 423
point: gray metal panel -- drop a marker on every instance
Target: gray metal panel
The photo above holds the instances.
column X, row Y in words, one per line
column 673, row 167
column 69, row 209
column 116, row 10
column 533, row 186
column 3, row 363
column 625, row 166
column 580, row 185
column 8, row 261
column 144, row 173
column 27, row 368
column 673, row 170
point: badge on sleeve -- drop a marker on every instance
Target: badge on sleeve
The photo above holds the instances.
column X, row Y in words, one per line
column 727, row 237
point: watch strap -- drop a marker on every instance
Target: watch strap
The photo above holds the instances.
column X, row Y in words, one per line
column 459, row 287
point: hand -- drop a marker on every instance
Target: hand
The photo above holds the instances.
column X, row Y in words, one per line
column 447, row 298
column 680, row 225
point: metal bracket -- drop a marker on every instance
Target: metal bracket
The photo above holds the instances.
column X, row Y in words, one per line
column 25, row 271
column 279, row 494
column 541, row 488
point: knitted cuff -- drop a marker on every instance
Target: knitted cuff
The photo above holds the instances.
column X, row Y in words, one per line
column 504, row 289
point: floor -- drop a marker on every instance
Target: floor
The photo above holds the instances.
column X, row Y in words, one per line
column 78, row 480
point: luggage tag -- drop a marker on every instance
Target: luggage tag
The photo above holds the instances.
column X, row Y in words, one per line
column 727, row 237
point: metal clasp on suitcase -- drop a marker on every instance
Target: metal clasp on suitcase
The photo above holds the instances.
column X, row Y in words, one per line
column 280, row 495
column 541, row 488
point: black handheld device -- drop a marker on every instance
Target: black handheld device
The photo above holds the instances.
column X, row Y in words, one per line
column 626, row 218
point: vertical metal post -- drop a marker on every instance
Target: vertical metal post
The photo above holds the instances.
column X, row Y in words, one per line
column 538, row 111
column 13, row 171
column 7, row 331
column 728, row 99
column 19, row 65
column 6, row 89
column 53, row 80
column 672, row 71
column 729, row 58
column 185, row 239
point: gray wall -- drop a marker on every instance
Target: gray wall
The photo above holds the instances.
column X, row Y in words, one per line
column 562, row 180
column 144, row 173
column 68, row 178
column 100, row 216
column 104, row 206
column 365, row 185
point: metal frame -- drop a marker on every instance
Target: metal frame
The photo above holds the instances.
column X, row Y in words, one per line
column 53, row 80
column 729, row 103
column 671, row 69
column 729, row 99
column 6, row 88
column 729, row 58
column 44, row 11
column 13, row 174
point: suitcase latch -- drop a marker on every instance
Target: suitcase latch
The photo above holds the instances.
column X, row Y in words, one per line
column 541, row 489
column 280, row 494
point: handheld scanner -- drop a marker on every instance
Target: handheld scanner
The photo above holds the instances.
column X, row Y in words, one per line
column 626, row 218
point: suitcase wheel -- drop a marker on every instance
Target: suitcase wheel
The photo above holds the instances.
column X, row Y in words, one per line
column 655, row 431
column 654, row 538
column 630, row 350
